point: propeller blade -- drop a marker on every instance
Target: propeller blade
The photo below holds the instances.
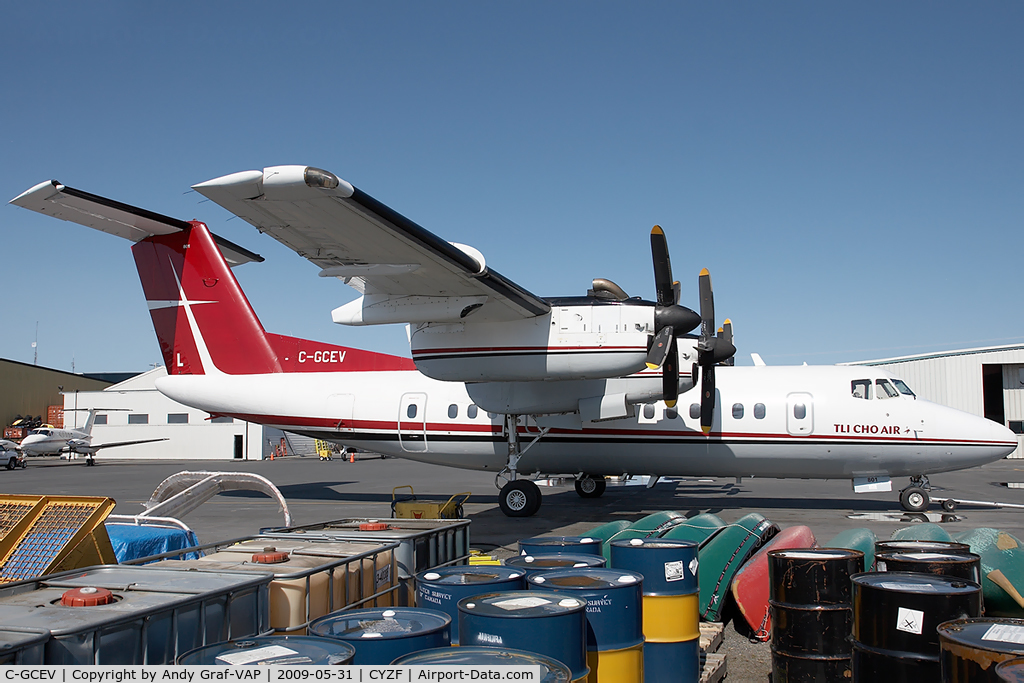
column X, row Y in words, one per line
column 660, row 348
column 725, row 333
column 707, row 305
column 707, row 397
column 676, row 289
column 670, row 376
column 662, row 267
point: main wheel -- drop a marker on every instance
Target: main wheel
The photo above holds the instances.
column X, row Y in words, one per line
column 949, row 505
column 519, row 498
column 590, row 487
column 914, row 499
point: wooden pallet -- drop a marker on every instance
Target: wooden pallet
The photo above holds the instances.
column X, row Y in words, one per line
column 712, row 668
column 711, row 635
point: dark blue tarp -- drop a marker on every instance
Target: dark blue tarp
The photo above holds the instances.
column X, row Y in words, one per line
column 132, row 542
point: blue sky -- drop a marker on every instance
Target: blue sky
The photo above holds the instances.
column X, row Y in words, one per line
column 851, row 173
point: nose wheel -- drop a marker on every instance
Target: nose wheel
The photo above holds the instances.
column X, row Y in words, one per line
column 915, row 497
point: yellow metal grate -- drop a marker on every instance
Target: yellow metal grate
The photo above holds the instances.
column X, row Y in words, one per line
column 12, row 512
column 52, row 533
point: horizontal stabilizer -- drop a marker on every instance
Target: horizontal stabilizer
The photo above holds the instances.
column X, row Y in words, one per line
column 116, row 218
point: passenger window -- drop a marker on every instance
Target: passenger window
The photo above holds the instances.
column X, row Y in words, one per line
column 471, row 411
column 886, row 390
column 758, row 411
column 861, row 388
column 453, row 411
column 799, row 411
column 737, row 411
column 411, row 410
column 671, row 413
column 649, row 411
column 695, row 411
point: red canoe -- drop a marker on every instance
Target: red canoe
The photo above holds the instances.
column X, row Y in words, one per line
column 750, row 587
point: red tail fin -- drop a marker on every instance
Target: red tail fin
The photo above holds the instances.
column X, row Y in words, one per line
column 205, row 324
column 190, row 288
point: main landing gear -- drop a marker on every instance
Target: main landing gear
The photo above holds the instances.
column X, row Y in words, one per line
column 518, row 497
column 915, row 497
column 590, row 486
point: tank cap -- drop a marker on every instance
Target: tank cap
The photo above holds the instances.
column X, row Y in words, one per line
column 86, row 597
column 270, row 556
column 636, row 541
column 373, row 526
column 431, row 576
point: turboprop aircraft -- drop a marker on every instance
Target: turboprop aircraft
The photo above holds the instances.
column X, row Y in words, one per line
column 49, row 440
column 501, row 379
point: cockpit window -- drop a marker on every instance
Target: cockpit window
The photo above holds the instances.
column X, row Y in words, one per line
column 42, row 432
column 861, row 388
column 886, row 390
column 902, row 386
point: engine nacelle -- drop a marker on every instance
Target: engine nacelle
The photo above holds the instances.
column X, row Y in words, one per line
column 578, row 339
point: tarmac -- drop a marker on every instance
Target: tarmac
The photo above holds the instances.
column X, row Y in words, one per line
column 329, row 490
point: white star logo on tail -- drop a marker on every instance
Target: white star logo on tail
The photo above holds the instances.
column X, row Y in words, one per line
column 183, row 301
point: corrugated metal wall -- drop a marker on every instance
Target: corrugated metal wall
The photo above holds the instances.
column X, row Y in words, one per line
column 954, row 379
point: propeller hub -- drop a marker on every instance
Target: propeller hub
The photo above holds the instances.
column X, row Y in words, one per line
column 679, row 318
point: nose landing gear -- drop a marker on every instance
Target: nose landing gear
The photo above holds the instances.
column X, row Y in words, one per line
column 590, row 486
column 915, row 497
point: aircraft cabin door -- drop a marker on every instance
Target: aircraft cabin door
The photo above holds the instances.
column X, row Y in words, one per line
column 412, row 423
column 799, row 414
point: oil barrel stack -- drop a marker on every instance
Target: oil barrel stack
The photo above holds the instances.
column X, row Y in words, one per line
column 812, row 612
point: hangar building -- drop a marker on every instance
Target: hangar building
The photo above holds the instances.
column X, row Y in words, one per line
column 987, row 381
column 137, row 411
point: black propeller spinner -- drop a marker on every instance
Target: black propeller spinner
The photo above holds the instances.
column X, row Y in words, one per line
column 670, row 319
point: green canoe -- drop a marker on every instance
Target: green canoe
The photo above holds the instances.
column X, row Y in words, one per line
column 1000, row 552
column 698, row 529
column 922, row 532
column 722, row 557
column 856, row 539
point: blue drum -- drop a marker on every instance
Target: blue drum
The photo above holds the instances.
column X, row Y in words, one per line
column 551, row 670
column 442, row 588
column 380, row 636
column 272, row 651
column 671, row 604
column 615, row 635
column 544, row 622
column 546, row 563
column 558, row 545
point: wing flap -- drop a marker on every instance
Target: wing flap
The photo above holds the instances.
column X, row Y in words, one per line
column 350, row 235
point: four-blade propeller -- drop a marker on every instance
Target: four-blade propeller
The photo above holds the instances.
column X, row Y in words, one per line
column 672, row 320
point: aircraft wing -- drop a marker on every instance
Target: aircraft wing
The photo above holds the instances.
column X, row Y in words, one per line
column 115, row 444
column 405, row 273
column 107, row 215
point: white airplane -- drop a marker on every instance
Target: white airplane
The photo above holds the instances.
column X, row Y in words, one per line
column 500, row 379
column 48, row 440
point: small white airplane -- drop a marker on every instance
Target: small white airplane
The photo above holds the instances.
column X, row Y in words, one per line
column 591, row 382
column 48, row 440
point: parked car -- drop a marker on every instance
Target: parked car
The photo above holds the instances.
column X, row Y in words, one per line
column 10, row 455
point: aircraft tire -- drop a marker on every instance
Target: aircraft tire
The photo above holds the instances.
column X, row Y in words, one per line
column 89, row 462
column 949, row 505
column 914, row 499
column 590, row 487
column 519, row 498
